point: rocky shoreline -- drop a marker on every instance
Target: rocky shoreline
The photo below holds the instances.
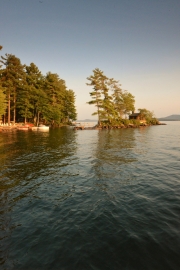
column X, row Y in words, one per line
column 116, row 126
column 104, row 127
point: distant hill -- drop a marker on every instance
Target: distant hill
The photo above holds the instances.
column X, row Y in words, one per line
column 87, row 120
column 173, row 117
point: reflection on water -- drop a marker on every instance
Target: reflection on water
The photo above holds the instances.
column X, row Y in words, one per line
column 31, row 164
column 90, row 199
column 28, row 155
column 112, row 152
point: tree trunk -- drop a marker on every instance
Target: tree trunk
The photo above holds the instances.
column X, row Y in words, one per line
column 99, row 122
column 25, row 116
column 9, row 109
column 38, row 119
column 35, row 120
column 35, row 116
column 14, row 117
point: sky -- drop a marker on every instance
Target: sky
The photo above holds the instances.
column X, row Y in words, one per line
column 134, row 41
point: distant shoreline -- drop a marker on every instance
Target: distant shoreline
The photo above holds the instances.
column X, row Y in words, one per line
column 160, row 119
column 173, row 117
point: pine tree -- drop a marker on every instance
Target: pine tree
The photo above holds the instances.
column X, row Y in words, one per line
column 109, row 106
column 98, row 81
column 69, row 109
column 30, row 100
column 128, row 102
column 109, row 109
column 117, row 98
column 29, row 94
column 55, row 89
column 3, row 102
column 12, row 77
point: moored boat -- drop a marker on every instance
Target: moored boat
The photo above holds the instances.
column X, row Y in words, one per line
column 43, row 128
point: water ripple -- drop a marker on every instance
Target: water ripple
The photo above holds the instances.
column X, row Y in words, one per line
column 91, row 199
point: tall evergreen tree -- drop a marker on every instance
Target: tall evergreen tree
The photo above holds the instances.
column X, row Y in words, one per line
column 33, row 96
column 117, row 98
column 98, row 81
column 69, row 109
column 3, row 103
column 128, row 102
column 12, row 77
column 29, row 94
column 55, row 89
column 109, row 106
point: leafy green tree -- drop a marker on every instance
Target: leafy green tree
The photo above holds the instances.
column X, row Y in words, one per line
column 44, row 109
column 29, row 94
column 128, row 102
column 24, row 104
column 55, row 89
column 118, row 102
column 148, row 116
column 12, row 78
column 98, row 81
column 32, row 96
column 69, row 109
column 109, row 107
column 3, row 102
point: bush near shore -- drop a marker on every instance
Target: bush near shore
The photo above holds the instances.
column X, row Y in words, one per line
column 124, row 123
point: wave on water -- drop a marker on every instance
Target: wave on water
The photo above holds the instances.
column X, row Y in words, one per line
column 94, row 199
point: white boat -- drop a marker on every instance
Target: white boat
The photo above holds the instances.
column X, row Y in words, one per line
column 43, row 128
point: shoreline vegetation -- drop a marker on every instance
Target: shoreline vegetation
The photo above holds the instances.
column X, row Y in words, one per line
column 103, row 126
column 115, row 105
column 28, row 96
column 122, row 125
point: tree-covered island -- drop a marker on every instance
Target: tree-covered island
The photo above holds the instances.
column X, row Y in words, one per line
column 26, row 95
column 115, row 106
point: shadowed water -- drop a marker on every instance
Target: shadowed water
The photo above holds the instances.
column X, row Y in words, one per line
column 90, row 199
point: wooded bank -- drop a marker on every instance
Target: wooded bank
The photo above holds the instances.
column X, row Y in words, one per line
column 26, row 95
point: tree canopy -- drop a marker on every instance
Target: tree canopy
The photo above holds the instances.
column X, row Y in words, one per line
column 25, row 93
column 148, row 116
column 110, row 100
column 3, row 102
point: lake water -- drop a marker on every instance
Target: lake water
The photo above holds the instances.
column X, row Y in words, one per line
column 90, row 199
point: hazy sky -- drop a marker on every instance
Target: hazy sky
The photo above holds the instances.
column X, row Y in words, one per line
column 135, row 41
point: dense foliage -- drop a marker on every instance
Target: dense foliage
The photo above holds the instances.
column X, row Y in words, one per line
column 148, row 116
column 114, row 105
column 27, row 95
column 111, row 101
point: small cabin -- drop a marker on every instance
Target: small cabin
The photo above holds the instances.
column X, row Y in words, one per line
column 137, row 116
